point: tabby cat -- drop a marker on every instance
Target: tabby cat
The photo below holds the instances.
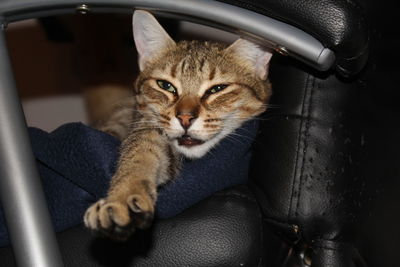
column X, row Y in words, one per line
column 188, row 96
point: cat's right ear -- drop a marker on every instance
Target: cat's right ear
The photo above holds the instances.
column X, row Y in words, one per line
column 150, row 37
column 258, row 57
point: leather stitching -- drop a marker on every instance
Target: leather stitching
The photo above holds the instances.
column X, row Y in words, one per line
column 331, row 244
column 298, row 151
column 330, row 248
column 261, row 231
column 236, row 195
column 277, row 222
column 310, row 92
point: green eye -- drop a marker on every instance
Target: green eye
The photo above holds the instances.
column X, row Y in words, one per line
column 216, row 88
column 166, row 86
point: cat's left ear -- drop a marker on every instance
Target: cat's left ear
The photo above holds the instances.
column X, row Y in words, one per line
column 257, row 56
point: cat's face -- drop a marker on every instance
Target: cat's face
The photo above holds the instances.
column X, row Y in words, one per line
column 200, row 92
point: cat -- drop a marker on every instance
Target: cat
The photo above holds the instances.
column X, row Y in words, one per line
column 188, row 96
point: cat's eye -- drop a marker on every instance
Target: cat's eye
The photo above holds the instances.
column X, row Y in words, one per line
column 166, row 86
column 216, row 88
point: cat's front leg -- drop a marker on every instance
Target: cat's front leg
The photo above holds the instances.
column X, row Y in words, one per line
column 133, row 192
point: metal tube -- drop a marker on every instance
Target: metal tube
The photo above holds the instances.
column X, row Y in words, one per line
column 21, row 194
column 296, row 42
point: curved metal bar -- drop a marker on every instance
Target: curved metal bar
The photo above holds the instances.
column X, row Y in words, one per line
column 23, row 201
column 284, row 37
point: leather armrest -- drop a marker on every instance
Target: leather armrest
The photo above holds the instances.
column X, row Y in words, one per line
column 223, row 230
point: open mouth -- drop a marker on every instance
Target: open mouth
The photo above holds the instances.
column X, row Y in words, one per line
column 187, row 140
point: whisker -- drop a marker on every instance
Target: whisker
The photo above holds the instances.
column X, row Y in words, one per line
column 273, row 106
column 145, row 128
column 241, row 136
column 234, row 139
column 142, row 123
column 212, row 153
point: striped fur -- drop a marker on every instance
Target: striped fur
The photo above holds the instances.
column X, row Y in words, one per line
column 188, row 96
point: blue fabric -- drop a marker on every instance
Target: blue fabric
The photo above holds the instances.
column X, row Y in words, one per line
column 76, row 163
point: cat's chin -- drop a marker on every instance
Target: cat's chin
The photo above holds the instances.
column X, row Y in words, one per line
column 192, row 151
column 194, row 148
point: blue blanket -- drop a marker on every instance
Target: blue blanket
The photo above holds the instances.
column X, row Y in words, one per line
column 76, row 163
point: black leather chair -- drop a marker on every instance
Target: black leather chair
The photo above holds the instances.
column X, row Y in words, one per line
column 314, row 172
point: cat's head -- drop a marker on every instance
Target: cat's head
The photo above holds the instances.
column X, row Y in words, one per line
column 198, row 92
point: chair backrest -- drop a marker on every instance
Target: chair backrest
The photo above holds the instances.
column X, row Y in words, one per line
column 323, row 46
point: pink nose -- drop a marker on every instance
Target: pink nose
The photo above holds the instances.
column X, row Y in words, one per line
column 186, row 119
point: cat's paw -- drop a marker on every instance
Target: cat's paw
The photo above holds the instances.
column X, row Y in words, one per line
column 119, row 219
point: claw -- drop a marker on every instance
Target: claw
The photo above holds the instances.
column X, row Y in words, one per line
column 118, row 220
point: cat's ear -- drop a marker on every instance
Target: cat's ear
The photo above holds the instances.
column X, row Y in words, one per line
column 257, row 56
column 150, row 37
